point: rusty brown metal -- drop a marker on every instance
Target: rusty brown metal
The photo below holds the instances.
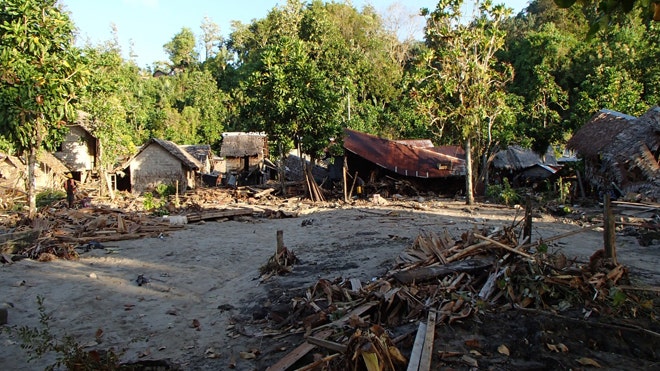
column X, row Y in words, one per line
column 403, row 158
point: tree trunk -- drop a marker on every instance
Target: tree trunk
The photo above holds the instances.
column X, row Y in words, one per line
column 31, row 182
column 469, row 195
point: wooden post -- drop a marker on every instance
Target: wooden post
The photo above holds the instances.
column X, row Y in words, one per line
column 580, row 185
column 176, row 197
column 527, row 230
column 609, row 230
column 280, row 242
column 343, row 173
column 350, row 193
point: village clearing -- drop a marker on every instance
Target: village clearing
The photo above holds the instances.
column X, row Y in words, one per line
column 378, row 282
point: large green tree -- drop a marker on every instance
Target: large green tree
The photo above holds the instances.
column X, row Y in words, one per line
column 40, row 74
column 182, row 49
column 464, row 77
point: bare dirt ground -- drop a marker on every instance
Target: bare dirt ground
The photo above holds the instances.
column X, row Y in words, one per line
column 203, row 305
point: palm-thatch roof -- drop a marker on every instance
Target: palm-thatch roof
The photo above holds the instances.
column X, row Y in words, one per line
column 52, row 162
column 242, row 144
column 599, row 132
column 516, row 158
column 626, row 151
column 201, row 152
column 44, row 158
column 186, row 159
column 636, row 147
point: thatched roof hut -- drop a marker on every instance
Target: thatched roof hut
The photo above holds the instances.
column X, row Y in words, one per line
column 623, row 150
column 160, row 161
column 597, row 134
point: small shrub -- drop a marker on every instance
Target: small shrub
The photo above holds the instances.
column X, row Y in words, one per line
column 156, row 203
column 49, row 196
column 503, row 193
column 165, row 190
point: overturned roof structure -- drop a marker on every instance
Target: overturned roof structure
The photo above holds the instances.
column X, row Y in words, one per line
column 517, row 158
column 622, row 149
column 599, row 132
column 403, row 158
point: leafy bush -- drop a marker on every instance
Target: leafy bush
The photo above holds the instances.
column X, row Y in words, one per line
column 156, row 203
column 503, row 193
column 49, row 196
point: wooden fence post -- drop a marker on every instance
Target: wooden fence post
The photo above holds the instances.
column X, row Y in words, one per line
column 280, row 242
column 609, row 230
column 527, row 230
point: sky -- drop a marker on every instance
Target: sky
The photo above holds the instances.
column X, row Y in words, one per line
column 149, row 24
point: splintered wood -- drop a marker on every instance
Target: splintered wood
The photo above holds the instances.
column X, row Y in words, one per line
column 59, row 232
column 437, row 281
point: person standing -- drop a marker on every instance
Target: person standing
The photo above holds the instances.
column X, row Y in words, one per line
column 70, row 187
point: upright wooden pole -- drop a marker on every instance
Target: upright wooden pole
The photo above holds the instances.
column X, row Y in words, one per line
column 343, row 173
column 280, row 242
column 609, row 230
column 527, row 230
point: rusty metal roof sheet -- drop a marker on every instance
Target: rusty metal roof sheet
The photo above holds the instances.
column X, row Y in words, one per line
column 402, row 158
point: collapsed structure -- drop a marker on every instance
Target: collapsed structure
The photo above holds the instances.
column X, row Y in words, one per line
column 621, row 152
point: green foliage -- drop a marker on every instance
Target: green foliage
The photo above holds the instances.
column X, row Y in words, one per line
column 564, row 190
column 40, row 341
column 618, row 297
column 41, row 73
column 462, row 76
column 156, row 204
column 181, row 49
column 49, row 196
column 503, row 193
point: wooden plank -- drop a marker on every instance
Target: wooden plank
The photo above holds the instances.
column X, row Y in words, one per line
column 503, row 246
column 337, row 347
column 356, row 284
column 216, row 214
column 416, row 354
column 299, row 352
column 427, row 349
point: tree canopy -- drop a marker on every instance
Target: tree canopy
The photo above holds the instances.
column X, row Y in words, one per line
column 310, row 68
column 40, row 78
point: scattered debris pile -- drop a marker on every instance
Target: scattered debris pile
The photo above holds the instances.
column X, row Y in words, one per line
column 439, row 281
column 58, row 232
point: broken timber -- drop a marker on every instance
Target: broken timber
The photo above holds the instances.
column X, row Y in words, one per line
column 217, row 214
column 430, row 272
column 298, row 353
column 422, row 353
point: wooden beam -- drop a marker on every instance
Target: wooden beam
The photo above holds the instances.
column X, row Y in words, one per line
column 341, row 348
column 609, row 232
column 299, row 352
column 503, row 246
column 431, row 272
column 416, row 354
column 427, row 350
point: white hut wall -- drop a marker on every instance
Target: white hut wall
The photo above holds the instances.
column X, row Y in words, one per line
column 77, row 150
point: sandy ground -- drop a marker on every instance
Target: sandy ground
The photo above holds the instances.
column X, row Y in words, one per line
column 204, row 281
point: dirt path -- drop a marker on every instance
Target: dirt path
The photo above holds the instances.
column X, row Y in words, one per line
column 204, row 303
